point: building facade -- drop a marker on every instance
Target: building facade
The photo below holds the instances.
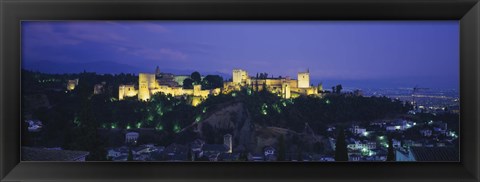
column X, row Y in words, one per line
column 285, row 87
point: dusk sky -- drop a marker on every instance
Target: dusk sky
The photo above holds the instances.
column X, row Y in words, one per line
column 352, row 53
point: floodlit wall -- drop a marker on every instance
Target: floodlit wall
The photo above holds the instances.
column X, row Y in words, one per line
column 126, row 91
column 239, row 76
column 284, row 87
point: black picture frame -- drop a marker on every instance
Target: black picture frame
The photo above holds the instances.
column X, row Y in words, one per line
column 14, row 11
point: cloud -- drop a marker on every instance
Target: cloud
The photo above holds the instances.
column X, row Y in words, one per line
column 103, row 33
column 70, row 33
column 44, row 34
column 95, row 32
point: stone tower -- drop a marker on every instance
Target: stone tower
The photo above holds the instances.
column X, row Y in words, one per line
column 239, row 76
column 286, row 90
column 145, row 83
column 303, row 79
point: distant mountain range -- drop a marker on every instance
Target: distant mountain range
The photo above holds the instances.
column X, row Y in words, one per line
column 100, row 67
column 103, row 67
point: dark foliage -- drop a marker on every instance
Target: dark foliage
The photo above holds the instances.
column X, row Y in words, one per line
column 188, row 83
column 212, row 81
column 391, row 151
column 196, row 77
column 341, row 152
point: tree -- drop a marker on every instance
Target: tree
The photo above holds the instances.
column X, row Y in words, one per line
column 317, row 147
column 86, row 133
column 338, row 89
column 196, row 77
column 130, row 155
column 208, row 132
column 391, row 152
column 212, row 81
column 190, row 155
column 188, row 83
column 281, row 148
column 243, row 156
column 341, row 153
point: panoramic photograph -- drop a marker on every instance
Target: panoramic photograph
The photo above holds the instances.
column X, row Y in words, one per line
column 240, row 91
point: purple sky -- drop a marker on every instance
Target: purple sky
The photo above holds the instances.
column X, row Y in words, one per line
column 380, row 53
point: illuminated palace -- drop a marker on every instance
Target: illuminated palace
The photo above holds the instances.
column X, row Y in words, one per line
column 149, row 84
column 283, row 86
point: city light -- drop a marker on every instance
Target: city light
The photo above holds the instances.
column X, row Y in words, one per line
column 264, row 112
column 264, row 109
